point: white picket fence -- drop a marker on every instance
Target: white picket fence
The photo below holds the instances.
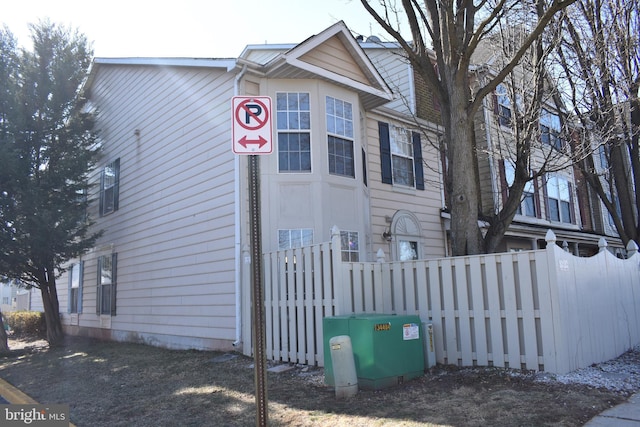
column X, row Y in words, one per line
column 535, row 310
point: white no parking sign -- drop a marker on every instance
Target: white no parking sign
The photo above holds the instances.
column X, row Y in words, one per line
column 252, row 125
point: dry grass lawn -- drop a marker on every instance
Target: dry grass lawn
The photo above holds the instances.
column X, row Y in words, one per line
column 118, row 384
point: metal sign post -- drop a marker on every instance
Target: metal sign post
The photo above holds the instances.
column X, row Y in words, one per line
column 252, row 134
column 257, row 294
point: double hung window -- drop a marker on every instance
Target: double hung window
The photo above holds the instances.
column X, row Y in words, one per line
column 349, row 246
column 550, row 129
column 109, row 188
column 75, row 288
column 559, row 199
column 503, row 105
column 293, row 117
column 400, row 156
column 106, row 293
column 527, row 205
column 340, row 137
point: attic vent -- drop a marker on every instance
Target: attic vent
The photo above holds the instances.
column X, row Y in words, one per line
column 373, row 39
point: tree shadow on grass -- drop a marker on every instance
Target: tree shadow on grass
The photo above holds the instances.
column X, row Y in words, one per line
column 123, row 384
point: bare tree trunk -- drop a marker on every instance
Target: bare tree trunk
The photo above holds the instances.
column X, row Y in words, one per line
column 55, row 335
column 4, row 343
column 464, row 198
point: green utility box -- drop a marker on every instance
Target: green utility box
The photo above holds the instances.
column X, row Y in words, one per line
column 387, row 349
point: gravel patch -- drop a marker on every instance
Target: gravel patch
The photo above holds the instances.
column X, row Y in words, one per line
column 620, row 374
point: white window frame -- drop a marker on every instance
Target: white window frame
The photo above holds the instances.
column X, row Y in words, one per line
column 558, row 191
column 402, row 162
column 550, row 128
column 105, row 298
column 340, row 137
column 504, row 105
column 349, row 246
column 75, row 287
column 294, row 238
column 110, row 188
column 293, row 118
column 528, row 193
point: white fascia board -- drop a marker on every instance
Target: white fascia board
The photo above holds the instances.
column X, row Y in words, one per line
column 340, row 79
column 168, row 62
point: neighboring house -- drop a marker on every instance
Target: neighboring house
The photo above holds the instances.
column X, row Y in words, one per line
column 14, row 297
column 172, row 266
column 556, row 200
column 8, row 293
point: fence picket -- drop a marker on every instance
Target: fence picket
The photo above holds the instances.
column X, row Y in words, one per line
column 510, row 311
column 496, row 349
column 422, row 289
column 526, row 283
column 368, row 287
column 318, row 301
column 437, row 315
column 450, row 312
column 269, row 302
column 478, row 310
column 463, row 321
column 309, row 338
column 409, row 288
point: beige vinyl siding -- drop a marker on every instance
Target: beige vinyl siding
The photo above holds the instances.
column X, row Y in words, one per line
column 333, row 56
column 488, row 159
column 396, row 72
column 386, row 199
column 174, row 230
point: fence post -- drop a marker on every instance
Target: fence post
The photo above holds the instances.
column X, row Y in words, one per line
column 336, row 271
column 553, row 333
column 632, row 248
column 380, row 256
column 602, row 244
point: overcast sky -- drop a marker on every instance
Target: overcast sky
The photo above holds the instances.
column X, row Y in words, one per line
column 187, row 28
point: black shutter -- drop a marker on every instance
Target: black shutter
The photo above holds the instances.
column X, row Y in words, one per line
column 385, row 153
column 572, row 207
column 536, row 191
column 114, row 282
column 545, row 197
column 80, row 286
column 116, row 186
column 102, row 192
column 99, row 290
column 417, row 159
column 364, row 168
column 504, row 185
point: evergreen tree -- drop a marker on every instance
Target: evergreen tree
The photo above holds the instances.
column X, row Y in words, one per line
column 47, row 149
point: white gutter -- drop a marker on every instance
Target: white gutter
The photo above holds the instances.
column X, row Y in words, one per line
column 237, row 230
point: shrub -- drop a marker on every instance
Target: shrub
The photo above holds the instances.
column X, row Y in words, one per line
column 26, row 322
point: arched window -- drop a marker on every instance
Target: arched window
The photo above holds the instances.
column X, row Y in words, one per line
column 406, row 236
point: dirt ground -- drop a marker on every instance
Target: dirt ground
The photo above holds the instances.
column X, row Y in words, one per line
column 119, row 384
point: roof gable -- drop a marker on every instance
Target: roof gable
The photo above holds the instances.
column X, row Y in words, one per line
column 333, row 55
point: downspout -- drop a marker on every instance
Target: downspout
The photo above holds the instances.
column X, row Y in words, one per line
column 237, row 230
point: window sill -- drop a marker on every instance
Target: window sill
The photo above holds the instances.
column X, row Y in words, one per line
column 404, row 189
